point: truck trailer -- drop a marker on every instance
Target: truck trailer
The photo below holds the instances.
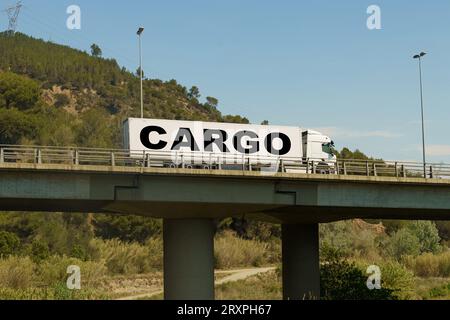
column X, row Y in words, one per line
column 214, row 145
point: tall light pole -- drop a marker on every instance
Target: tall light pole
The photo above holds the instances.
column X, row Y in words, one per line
column 141, row 73
column 420, row 56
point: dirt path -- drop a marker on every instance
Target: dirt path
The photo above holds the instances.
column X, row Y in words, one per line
column 234, row 275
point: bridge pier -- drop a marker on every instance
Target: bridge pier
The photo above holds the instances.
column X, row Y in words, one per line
column 300, row 254
column 188, row 259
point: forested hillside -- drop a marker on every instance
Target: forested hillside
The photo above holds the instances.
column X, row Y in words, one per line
column 55, row 95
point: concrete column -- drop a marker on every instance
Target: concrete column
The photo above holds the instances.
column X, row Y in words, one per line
column 188, row 259
column 300, row 252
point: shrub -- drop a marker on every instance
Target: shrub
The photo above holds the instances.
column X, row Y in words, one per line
column 403, row 243
column 428, row 235
column 9, row 243
column 398, row 279
column 343, row 280
column 39, row 250
column 61, row 100
column 351, row 240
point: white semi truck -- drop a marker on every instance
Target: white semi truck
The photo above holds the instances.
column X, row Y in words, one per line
column 197, row 144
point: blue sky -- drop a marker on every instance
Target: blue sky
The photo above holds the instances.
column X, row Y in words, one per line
column 311, row 63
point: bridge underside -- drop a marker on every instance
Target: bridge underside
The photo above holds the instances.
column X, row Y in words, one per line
column 288, row 214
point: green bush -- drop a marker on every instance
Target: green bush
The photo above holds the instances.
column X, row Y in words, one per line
column 398, row 279
column 428, row 235
column 9, row 244
column 61, row 100
column 39, row 250
column 415, row 238
column 344, row 280
column 403, row 243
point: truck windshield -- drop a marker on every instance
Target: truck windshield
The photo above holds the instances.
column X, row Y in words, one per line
column 328, row 148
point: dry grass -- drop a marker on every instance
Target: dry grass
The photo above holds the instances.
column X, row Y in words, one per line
column 233, row 252
column 16, row 272
column 430, row 265
column 129, row 258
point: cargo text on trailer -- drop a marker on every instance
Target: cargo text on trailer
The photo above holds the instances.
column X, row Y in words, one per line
column 195, row 144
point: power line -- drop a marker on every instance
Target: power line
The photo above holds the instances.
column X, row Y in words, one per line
column 13, row 15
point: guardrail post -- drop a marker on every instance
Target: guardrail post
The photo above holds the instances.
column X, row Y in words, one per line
column 282, row 165
column 243, row 162
column 249, row 164
column 148, row 160
column 344, row 164
column 367, row 168
column 375, row 169
column 313, row 167
column 337, row 167
column 182, row 162
column 403, row 171
column 38, row 157
column 113, row 159
column 2, row 155
column 396, row 170
column 76, row 159
column 431, row 172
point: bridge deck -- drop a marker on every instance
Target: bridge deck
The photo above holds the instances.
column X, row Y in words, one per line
column 192, row 193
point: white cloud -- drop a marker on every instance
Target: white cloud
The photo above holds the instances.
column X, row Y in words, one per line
column 347, row 133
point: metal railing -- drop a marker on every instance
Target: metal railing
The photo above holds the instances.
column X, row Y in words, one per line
column 214, row 161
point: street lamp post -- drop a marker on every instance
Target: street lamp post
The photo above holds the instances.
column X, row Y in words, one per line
column 141, row 75
column 420, row 56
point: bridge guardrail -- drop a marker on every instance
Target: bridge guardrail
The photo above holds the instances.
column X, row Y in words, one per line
column 210, row 161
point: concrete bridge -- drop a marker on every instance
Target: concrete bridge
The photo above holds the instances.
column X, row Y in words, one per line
column 190, row 199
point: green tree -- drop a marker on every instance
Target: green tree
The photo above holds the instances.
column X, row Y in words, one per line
column 138, row 73
column 265, row 123
column 18, row 91
column 194, row 92
column 235, row 119
column 16, row 126
column 212, row 102
column 95, row 130
column 95, row 50
column 126, row 227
